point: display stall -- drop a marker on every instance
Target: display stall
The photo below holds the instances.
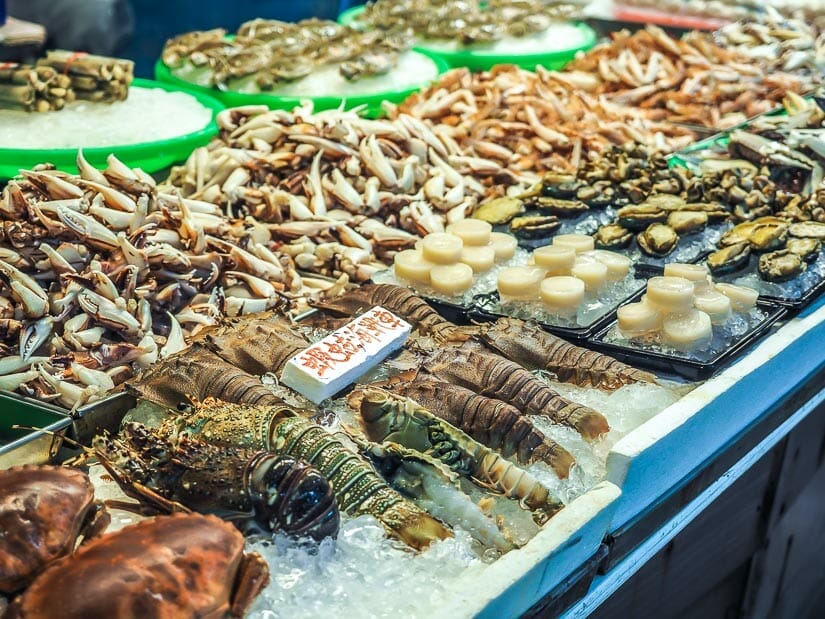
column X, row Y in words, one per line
column 475, row 308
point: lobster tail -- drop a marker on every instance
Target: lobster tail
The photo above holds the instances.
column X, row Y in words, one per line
column 491, row 422
column 400, row 301
column 529, row 345
column 196, row 374
column 486, row 373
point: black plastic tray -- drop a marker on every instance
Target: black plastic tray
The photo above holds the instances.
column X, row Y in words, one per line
column 454, row 312
column 795, row 303
column 481, row 312
column 689, row 368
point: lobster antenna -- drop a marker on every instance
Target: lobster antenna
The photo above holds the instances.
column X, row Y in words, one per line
column 71, row 441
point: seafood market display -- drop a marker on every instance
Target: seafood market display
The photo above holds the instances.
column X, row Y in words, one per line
column 778, row 42
column 387, row 416
column 566, row 282
column 280, row 429
column 775, row 246
column 162, row 115
column 245, row 351
column 92, row 78
column 784, row 248
column 468, row 22
column 684, row 310
column 257, row 490
column 179, row 565
column 339, row 193
column 495, row 27
column 734, row 10
column 44, row 510
column 34, row 89
column 104, row 274
column 312, row 57
column 690, row 80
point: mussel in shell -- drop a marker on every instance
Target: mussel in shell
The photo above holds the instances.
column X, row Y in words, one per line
column 768, row 236
column 557, row 206
column 665, row 201
column 715, row 211
column 807, row 249
column 596, row 197
column 555, row 185
column 657, row 240
column 637, row 217
column 729, row 258
column 499, row 210
column 808, row 230
column 685, row 222
column 781, row 266
column 740, row 233
column 534, row 227
column 612, row 236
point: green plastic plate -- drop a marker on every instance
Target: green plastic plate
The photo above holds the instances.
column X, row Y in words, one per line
column 19, row 446
column 149, row 156
column 232, row 98
column 478, row 61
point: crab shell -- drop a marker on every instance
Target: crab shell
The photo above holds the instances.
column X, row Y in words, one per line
column 184, row 565
column 43, row 511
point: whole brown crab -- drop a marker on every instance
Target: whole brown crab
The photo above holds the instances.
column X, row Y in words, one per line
column 44, row 510
column 184, row 565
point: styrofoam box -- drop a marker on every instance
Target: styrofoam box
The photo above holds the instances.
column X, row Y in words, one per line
column 652, row 459
column 519, row 579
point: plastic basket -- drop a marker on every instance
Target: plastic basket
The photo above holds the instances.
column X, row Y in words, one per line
column 149, row 156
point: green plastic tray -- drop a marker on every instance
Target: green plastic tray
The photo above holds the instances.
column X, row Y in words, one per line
column 149, row 156
column 27, row 446
column 232, row 98
column 481, row 62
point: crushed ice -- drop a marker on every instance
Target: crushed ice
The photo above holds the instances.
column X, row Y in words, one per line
column 594, row 307
column 360, row 574
column 159, row 115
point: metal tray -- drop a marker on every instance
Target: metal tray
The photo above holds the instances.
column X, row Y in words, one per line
column 105, row 414
column 29, row 446
column 689, row 368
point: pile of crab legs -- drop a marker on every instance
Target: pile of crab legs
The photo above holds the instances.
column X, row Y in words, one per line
column 103, row 273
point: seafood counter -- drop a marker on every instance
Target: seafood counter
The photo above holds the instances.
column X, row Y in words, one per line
column 452, row 346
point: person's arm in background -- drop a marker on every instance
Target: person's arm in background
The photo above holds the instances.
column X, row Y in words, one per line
column 94, row 26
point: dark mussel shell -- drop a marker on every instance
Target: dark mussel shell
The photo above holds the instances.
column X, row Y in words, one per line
column 534, row 227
